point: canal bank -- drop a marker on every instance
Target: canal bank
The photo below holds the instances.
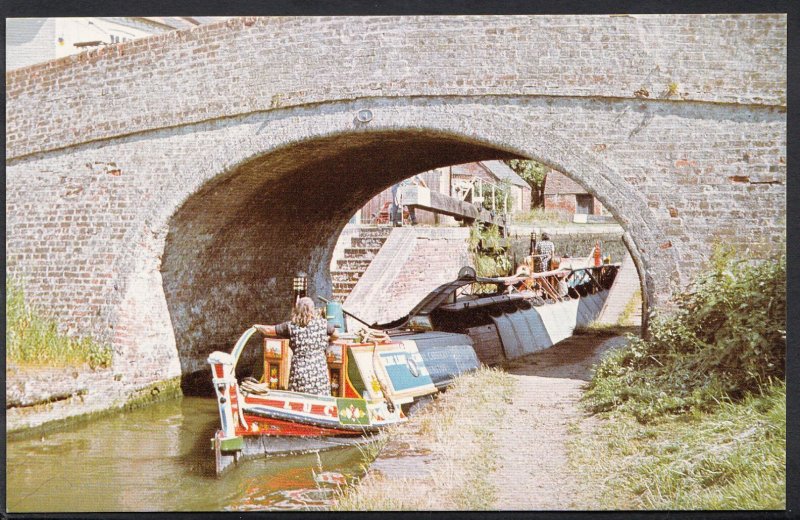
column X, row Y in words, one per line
column 498, row 439
column 44, row 399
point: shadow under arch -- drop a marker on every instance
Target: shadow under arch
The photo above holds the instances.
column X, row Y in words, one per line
column 235, row 243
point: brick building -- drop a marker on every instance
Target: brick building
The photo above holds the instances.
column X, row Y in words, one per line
column 442, row 180
column 563, row 194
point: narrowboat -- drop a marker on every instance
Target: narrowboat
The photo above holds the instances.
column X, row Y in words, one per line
column 373, row 385
column 455, row 328
column 510, row 317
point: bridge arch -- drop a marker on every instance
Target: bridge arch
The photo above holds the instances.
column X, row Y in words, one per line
column 276, row 206
column 682, row 138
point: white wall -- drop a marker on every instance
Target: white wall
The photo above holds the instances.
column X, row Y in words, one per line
column 76, row 30
column 35, row 40
column 29, row 41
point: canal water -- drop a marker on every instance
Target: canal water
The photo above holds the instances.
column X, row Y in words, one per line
column 158, row 458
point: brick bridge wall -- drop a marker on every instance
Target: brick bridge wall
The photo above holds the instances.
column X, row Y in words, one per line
column 161, row 193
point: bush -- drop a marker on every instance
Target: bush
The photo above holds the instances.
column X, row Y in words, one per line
column 489, row 250
column 726, row 339
column 32, row 339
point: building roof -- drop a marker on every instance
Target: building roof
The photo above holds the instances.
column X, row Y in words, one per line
column 496, row 169
column 557, row 182
column 183, row 22
column 504, row 173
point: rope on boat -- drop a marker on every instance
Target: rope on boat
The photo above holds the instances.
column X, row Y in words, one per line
column 251, row 386
column 376, row 337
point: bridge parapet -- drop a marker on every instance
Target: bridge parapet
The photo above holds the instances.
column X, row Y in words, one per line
column 247, row 65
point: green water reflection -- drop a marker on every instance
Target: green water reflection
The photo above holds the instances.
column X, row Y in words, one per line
column 158, row 459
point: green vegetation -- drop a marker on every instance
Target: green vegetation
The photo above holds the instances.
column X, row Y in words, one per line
column 457, row 432
column 672, row 89
column 488, row 248
column 634, row 304
column 605, row 330
column 502, row 200
column 725, row 339
column 535, row 174
column 543, row 217
column 32, row 339
column 731, row 458
column 698, row 410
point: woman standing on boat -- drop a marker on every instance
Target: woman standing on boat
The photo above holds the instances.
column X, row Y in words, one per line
column 545, row 249
column 308, row 335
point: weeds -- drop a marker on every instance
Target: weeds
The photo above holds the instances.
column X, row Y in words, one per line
column 634, row 304
column 726, row 339
column 489, row 253
column 698, row 410
column 32, row 339
column 541, row 216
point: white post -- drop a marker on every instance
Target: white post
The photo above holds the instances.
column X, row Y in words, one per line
column 223, row 379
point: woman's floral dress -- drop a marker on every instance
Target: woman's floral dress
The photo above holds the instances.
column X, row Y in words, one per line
column 309, row 370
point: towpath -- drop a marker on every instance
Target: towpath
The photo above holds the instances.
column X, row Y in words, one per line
column 533, row 472
column 508, row 445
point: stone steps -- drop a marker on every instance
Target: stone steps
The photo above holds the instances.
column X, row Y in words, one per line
column 344, row 286
column 353, row 263
column 342, row 289
column 346, row 275
column 375, row 232
column 361, row 252
column 367, row 242
column 363, row 248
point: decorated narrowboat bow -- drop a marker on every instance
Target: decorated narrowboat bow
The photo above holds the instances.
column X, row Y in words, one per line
column 372, row 383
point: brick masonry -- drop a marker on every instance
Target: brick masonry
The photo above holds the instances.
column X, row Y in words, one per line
column 162, row 193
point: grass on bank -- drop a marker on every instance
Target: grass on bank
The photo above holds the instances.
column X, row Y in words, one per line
column 33, row 339
column 731, row 458
column 696, row 413
column 457, row 431
column 626, row 317
column 544, row 217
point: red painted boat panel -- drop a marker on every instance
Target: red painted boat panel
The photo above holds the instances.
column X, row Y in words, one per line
column 269, row 427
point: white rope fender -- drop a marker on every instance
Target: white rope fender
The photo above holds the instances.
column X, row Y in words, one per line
column 240, row 400
column 376, row 337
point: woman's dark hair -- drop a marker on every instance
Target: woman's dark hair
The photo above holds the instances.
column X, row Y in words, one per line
column 545, row 236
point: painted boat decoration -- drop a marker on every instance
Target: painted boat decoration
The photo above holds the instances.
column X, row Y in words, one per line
column 510, row 317
column 372, row 387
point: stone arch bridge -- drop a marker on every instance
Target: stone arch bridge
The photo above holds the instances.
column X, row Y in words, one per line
column 162, row 192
